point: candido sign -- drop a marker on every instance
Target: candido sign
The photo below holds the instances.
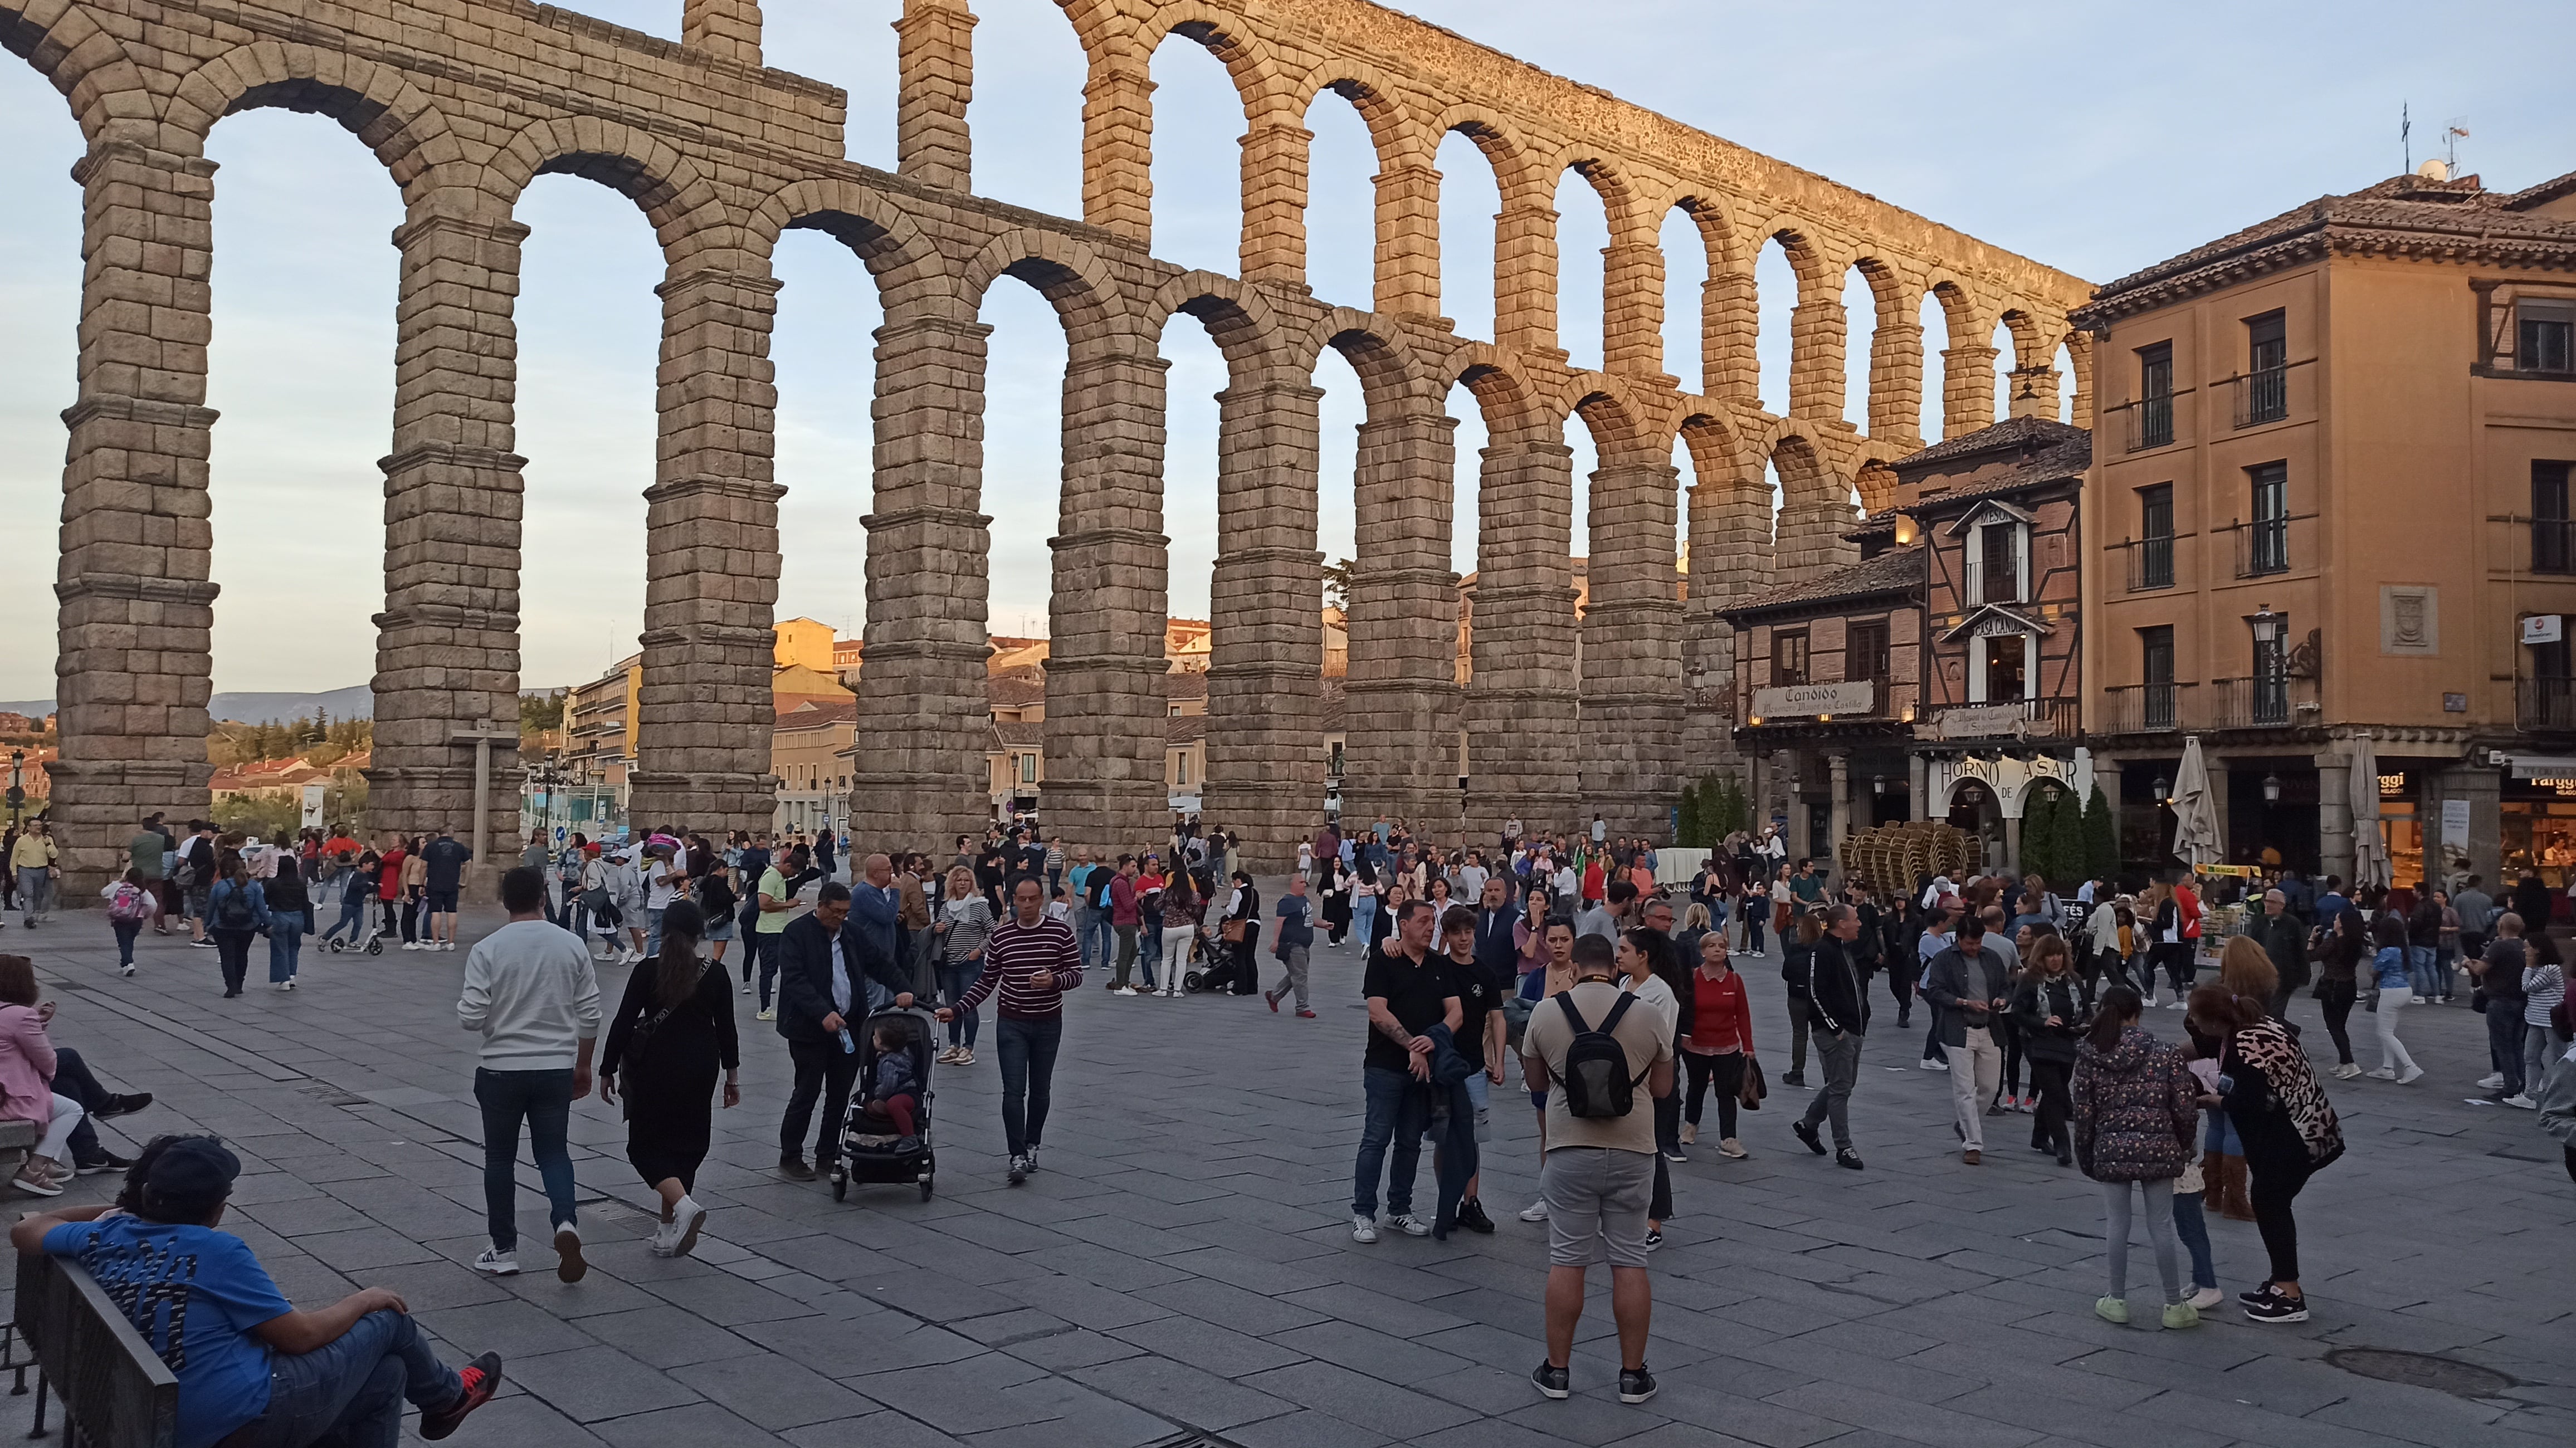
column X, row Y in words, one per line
column 1814, row 701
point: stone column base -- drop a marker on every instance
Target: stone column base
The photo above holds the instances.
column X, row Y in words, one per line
column 97, row 807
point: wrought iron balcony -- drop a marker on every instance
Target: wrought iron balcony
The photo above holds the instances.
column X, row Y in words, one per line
column 2544, row 704
column 2262, row 396
column 2149, row 708
column 2264, row 701
column 2151, row 422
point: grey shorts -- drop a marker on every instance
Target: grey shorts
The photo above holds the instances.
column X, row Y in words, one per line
column 1596, row 1205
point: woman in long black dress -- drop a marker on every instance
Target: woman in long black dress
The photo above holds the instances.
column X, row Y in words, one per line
column 673, row 1029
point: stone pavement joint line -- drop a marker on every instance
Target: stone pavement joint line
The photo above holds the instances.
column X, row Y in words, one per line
column 1181, row 1270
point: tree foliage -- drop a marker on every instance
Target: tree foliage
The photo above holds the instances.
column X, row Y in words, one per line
column 1712, row 809
column 2101, row 837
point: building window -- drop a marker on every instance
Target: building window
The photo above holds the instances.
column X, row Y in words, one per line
column 1998, row 668
column 1028, row 769
column 1333, row 760
column 1998, row 559
column 1174, row 711
column 2550, row 545
column 2267, row 367
column 2155, row 558
column 1181, row 769
column 2267, row 538
column 2545, row 336
column 2154, row 421
column 1865, row 651
column 1789, row 657
column 2156, row 672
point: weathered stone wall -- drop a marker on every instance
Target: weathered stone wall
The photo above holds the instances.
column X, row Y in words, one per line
column 466, row 101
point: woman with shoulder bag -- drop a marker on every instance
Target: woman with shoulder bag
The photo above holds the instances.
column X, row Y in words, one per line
column 2049, row 1009
column 674, row 1028
column 1716, row 1042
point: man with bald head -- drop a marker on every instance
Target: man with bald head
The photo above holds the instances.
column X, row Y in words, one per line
column 874, row 907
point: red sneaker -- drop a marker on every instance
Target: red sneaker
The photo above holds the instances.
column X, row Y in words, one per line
column 482, row 1379
column 1305, row 1015
column 1274, row 1001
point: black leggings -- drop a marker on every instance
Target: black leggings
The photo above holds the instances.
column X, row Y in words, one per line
column 2013, row 1058
column 1900, row 986
column 2048, row 1130
column 1727, row 1074
column 2272, row 1188
column 2180, row 967
column 2337, row 1000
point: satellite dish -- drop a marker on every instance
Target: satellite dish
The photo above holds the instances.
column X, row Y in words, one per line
column 2434, row 170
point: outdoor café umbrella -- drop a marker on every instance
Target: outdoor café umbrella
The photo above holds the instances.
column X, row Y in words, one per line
column 2196, row 833
column 2369, row 846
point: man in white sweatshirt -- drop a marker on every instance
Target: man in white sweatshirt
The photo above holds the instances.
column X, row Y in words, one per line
column 530, row 989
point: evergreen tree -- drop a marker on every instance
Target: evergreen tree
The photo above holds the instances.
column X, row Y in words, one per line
column 2101, row 836
column 2037, row 836
column 2067, row 847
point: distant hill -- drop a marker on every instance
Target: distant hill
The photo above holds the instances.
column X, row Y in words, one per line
column 358, row 701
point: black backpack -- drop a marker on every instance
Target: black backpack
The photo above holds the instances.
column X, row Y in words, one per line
column 1596, row 1080
column 235, row 912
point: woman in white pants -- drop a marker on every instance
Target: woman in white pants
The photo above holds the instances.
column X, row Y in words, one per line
column 2396, row 988
column 27, row 1075
column 1181, row 912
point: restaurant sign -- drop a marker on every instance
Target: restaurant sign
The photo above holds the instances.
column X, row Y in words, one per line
column 1813, row 701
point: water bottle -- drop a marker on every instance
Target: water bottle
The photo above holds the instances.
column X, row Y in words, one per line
column 848, row 1046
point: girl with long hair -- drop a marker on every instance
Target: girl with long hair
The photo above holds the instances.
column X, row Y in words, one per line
column 2134, row 1108
column 674, row 1028
column 2048, row 1008
column 2396, row 990
column 2288, row 1127
column 964, row 926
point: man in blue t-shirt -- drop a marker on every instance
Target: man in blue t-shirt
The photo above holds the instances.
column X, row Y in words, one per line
column 253, row 1371
column 445, row 861
column 1290, row 943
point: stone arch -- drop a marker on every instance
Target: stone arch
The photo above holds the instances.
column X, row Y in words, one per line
column 88, row 64
column 1069, row 274
column 881, row 234
column 1895, row 400
column 1514, row 412
column 1227, row 36
column 1632, row 272
column 404, row 129
column 1729, row 315
column 1390, row 373
column 1968, row 363
column 1238, row 317
column 1405, row 276
column 687, row 215
column 1612, row 413
column 1815, row 502
column 1524, row 259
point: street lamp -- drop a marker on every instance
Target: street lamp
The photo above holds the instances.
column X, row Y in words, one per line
column 2267, row 626
column 2163, row 789
column 2271, row 789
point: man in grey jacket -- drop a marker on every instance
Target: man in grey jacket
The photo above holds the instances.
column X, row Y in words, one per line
column 1970, row 985
column 532, row 996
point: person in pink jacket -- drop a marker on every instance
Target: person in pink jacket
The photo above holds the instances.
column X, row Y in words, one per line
column 27, row 1078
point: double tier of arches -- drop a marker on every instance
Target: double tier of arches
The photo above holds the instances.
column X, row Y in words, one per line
column 1562, row 718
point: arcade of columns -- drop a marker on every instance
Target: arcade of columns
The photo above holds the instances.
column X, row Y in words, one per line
column 467, row 101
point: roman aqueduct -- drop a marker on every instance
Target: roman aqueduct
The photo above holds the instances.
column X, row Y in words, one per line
column 467, row 101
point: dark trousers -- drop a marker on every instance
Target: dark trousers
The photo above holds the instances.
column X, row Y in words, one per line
column 2504, row 1044
column 126, row 931
column 1668, row 1138
column 1726, row 1073
column 1900, row 987
column 232, row 951
column 1028, row 1076
column 544, row 1100
column 1398, row 1113
column 2180, row 968
column 823, row 1071
column 1797, row 1035
column 954, row 981
column 1838, row 1058
column 2049, row 1130
column 351, row 1390
column 2272, row 1191
column 2013, row 1053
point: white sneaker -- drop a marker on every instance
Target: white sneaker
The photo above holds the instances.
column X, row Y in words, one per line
column 2414, row 1000
column 685, row 1221
column 411, row 945
column 290, row 982
column 2413, row 1075
column 1032, row 1156
column 664, row 1234
column 2523, row 1103
column 497, row 1262
column 1933, row 1064
column 2492, row 1081
column 125, row 970
column 746, row 987
column 1124, row 991
column 1534, row 1212
column 1409, row 1224
column 2348, row 1070
column 569, row 1265
column 1363, row 1229
column 2384, row 1073
column 2206, row 1298
column 2179, row 1006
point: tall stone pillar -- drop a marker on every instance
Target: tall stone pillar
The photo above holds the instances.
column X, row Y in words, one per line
column 1838, row 770
column 447, row 644
column 1632, row 656
column 1118, row 148
column 1730, row 559
column 1105, row 662
column 1523, row 710
column 1918, row 783
column 1816, row 377
column 1265, row 748
column 1896, row 378
column 935, row 57
column 134, row 653
column 1408, row 240
column 2334, row 815
column 1404, row 669
column 1730, row 319
column 2012, row 844
column 924, row 708
column 1632, row 308
column 1525, row 275
column 703, row 712
column 1274, row 202
column 1967, row 389
column 728, row 28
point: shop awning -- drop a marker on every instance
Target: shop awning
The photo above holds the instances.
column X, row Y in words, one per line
column 2542, row 766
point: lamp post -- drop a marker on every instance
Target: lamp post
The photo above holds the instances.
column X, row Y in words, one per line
column 2271, row 789
column 17, row 791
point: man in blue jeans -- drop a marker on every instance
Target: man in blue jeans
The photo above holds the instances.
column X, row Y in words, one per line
column 1408, row 993
column 444, row 860
column 531, row 992
column 253, row 1371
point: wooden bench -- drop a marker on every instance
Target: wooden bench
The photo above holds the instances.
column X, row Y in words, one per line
column 116, row 1392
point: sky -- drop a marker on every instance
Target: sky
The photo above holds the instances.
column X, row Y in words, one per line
column 2097, row 139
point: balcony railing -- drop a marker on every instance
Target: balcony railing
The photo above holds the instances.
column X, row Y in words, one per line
column 2545, row 704
column 2148, row 708
column 2151, row 563
column 2553, row 545
column 2262, row 396
column 2262, row 546
column 2025, row 719
column 2264, row 701
column 2151, row 423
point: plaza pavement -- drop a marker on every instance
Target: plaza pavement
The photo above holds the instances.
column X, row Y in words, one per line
column 1182, row 1272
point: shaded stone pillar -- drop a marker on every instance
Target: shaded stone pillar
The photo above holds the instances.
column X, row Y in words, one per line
column 703, row 712
column 1729, row 326
column 134, row 653
column 1523, row 702
column 1967, row 389
column 1816, row 377
column 1632, row 657
column 2079, row 357
column 1105, row 663
column 447, row 643
column 1525, row 275
column 923, row 707
column 2335, row 823
column 1918, row 783
column 1730, row 560
column 1274, row 202
column 728, row 28
column 1265, row 751
column 1838, row 772
column 1632, row 308
column 1896, row 378
column 1403, row 671
column 1118, row 149
column 935, row 58
column 1408, row 240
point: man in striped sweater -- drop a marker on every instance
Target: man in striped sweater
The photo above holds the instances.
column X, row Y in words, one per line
column 1031, row 961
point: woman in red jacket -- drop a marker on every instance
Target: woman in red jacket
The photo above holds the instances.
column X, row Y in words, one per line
column 1715, row 1041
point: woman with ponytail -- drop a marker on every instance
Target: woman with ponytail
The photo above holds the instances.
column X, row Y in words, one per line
column 2135, row 1108
column 673, row 1029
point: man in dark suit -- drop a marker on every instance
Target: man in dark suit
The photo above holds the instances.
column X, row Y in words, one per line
column 1498, row 955
column 825, row 966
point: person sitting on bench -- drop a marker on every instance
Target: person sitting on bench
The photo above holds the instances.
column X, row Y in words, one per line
column 253, row 1371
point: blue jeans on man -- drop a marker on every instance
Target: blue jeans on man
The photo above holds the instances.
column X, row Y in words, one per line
column 544, row 1100
column 351, row 1390
column 1099, row 939
column 1398, row 1111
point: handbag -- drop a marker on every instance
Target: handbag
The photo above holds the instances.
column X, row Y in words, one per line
column 1750, row 1094
column 1232, row 931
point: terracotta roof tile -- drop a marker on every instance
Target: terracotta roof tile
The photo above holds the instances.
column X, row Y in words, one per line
column 1899, row 570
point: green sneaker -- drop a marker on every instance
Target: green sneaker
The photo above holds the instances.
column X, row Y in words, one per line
column 2112, row 1309
column 2181, row 1314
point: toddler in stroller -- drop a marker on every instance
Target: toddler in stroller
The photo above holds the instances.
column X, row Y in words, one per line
column 886, row 1137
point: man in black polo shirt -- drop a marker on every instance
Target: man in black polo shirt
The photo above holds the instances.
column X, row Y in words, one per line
column 1479, row 1037
column 1408, row 993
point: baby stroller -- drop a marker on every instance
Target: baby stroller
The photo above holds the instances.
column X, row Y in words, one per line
column 871, row 1153
column 1221, row 966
